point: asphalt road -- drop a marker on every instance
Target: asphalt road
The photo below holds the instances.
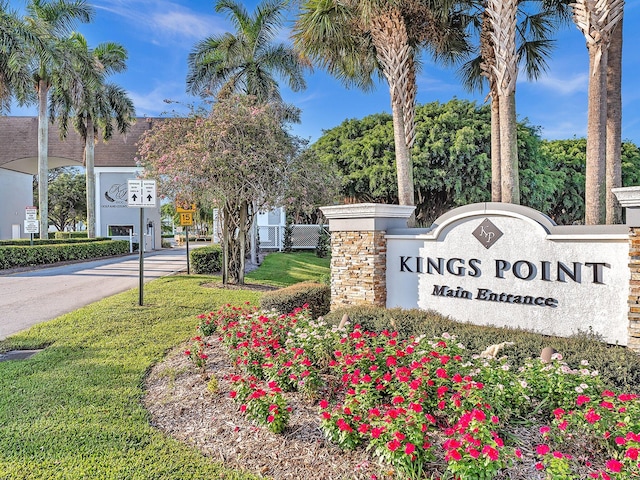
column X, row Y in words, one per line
column 32, row 297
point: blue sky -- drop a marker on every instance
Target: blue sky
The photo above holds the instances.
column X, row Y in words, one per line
column 159, row 34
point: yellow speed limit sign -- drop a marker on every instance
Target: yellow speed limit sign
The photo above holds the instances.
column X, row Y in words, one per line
column 186, row 219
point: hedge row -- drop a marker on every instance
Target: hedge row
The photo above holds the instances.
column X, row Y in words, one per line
column 206, row 260
column 24, row 256
column 618, row 366
column 285, row 300
column 67, row 235
column 51, row 241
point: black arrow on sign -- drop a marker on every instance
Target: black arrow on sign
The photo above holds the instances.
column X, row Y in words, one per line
column 149, row 197
column 134, row 197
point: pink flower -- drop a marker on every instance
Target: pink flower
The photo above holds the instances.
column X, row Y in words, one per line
column 490, row 452
column 614, row 465
column 632, row 453
column 324, row 403
column 518, row 453
column 591, row 416
column 544, row 429
column 393, row 445
column 233, row 394
column 473, row 452
column 270, row 418
column 542, row 449
column 582, row 399
column 409, row 448
column 539, row 466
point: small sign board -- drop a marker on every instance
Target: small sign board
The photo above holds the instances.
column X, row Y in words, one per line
column 141, row 193
column 31, row 226
column 31, row 213
column 186, row 219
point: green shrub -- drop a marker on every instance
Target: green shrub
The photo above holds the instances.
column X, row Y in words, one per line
column 285, row 300
column 13, row 256
column 67, row 235
column 618, row 366
column 206, row 260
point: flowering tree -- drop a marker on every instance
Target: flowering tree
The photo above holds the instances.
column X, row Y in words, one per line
column 239, row 158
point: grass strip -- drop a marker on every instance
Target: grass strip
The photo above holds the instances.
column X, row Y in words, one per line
column 284, row 269
column 74, row 410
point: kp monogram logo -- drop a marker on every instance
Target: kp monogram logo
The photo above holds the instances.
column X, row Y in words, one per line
column 487, row 233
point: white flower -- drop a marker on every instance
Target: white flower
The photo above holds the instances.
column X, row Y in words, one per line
column 579, row 390
column 584, row 386
column 523, row 384
column 505, row 367
column 446, row 335
column 556, row 356
column 584, row 363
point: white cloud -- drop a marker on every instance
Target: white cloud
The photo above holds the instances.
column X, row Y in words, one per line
column 164, row 21
column 564, row 85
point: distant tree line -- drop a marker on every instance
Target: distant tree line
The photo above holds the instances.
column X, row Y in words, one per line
column 452, row 162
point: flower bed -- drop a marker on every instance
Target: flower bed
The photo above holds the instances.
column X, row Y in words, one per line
column 426, row 406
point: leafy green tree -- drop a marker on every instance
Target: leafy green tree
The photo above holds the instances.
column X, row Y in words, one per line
column 67, row 197
column 248, row 61
column 451, row 159
column 567, row 159
column 239, row 159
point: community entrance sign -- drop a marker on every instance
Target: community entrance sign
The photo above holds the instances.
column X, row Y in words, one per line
column 487, row 264
column 511, row 266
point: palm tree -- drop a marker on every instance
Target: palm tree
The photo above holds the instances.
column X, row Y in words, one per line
column 613, row 168
column 247, row 61
column 357, row 39
column 96, row 109
column 597, row 19
column 511, row 33
column 15, row 75
column 50, row 22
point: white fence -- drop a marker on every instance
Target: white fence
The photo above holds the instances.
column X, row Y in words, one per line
column 302, row 236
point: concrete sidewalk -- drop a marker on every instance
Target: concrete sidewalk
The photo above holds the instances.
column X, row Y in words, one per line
column 31, row 297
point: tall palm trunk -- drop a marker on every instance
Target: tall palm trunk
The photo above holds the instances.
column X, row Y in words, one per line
column 390, row 38
column 596, row 19
column 596, row 140
column 43, row 158
column 496, row 173
column 89, row 157
column 503, row 19
column 614, row 126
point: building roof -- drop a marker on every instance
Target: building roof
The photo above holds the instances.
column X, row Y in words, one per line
column 19, row 140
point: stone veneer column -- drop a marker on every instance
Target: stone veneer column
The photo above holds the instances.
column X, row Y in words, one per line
column 359, row 251
column 629, row 197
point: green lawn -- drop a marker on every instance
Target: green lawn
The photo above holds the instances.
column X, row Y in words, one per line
column 74, row 410
column 284, row 269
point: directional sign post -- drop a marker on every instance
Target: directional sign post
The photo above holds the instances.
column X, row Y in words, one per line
column 141, row 193
column 31, row 223
column 186, row 212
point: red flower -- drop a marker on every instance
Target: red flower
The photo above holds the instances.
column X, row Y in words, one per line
column 539, row 466
column 632, row 453
column 582, row 399
column 270, row 418
column 614, row 465
column 490, row 452
column 393, row 445
column 542, row 449
column 233, row 394
column 409, row 448
column 391, row 360
column 324, row 403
